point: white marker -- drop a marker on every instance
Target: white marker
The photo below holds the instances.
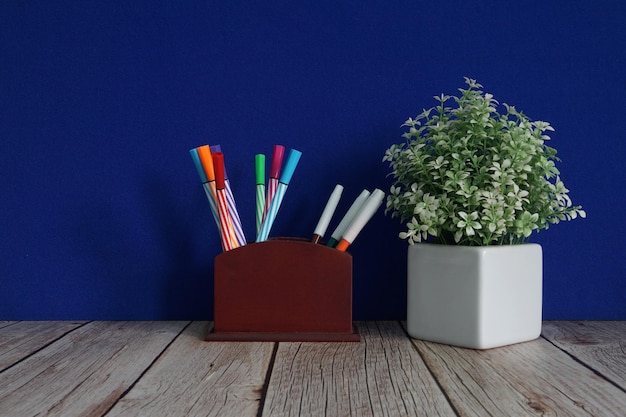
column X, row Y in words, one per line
column 367, row 212
column 327, row 214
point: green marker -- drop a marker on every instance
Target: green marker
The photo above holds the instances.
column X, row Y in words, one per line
column 259, row 165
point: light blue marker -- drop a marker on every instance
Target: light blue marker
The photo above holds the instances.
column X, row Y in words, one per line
column 205, row 184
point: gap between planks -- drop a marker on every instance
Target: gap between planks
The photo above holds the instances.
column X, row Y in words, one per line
column 156, row 368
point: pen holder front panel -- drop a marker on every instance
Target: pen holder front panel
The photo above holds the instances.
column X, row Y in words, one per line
column 283, row 289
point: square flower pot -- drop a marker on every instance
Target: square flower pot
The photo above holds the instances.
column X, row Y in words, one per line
column 474, row 297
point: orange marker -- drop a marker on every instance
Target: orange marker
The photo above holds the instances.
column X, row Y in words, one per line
column 204, row 152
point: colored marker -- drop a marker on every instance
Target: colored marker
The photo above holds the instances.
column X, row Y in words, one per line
column 232, row 207
column 290, row 167
column 347, row 219
column 365, row 214
column 327, row 214
column 259, row 165
column 204, row 152
column 226, row 226
column 205, row 183
column 272, row 184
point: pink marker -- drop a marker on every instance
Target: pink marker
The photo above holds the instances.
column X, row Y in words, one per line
column 272, row 184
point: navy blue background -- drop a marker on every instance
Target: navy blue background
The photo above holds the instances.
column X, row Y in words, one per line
column 102, row 214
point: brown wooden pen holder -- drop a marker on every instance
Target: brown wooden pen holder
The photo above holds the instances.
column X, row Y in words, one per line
column 283, row 290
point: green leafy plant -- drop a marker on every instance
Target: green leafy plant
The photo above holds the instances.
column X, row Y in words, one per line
column 470, row 175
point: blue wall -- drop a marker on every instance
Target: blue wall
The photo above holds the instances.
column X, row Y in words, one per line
column 102, row 215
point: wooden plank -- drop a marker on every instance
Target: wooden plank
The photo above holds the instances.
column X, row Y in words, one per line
column 20, row 339
column 383, row 375
column 528, row 379
column 199, row 378
column 85, row 372
column 600, row 345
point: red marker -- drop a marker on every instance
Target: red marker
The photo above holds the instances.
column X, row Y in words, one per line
column 226, row 225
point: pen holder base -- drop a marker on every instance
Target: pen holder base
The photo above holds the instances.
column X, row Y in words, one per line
column 283, row 290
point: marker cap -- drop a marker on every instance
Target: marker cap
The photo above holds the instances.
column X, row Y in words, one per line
column 259, row 165
column 218, row 148
column 277, row 161
column 198, row 164
column 204, row 152
column 328, row 212
column 290, row 166
column 218, row 165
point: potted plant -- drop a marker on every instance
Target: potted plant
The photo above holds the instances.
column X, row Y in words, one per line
column 471, row 184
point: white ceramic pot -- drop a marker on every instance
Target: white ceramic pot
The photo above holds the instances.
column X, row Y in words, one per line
column 475, row 297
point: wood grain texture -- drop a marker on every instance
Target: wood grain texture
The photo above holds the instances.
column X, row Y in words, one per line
column 381, row 376
column 199, row 378
column 528, row 379
column 85, row 372
column 20, row 339
column 167, row 369
column 601, row 345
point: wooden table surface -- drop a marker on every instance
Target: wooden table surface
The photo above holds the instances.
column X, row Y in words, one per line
column 167, row 369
